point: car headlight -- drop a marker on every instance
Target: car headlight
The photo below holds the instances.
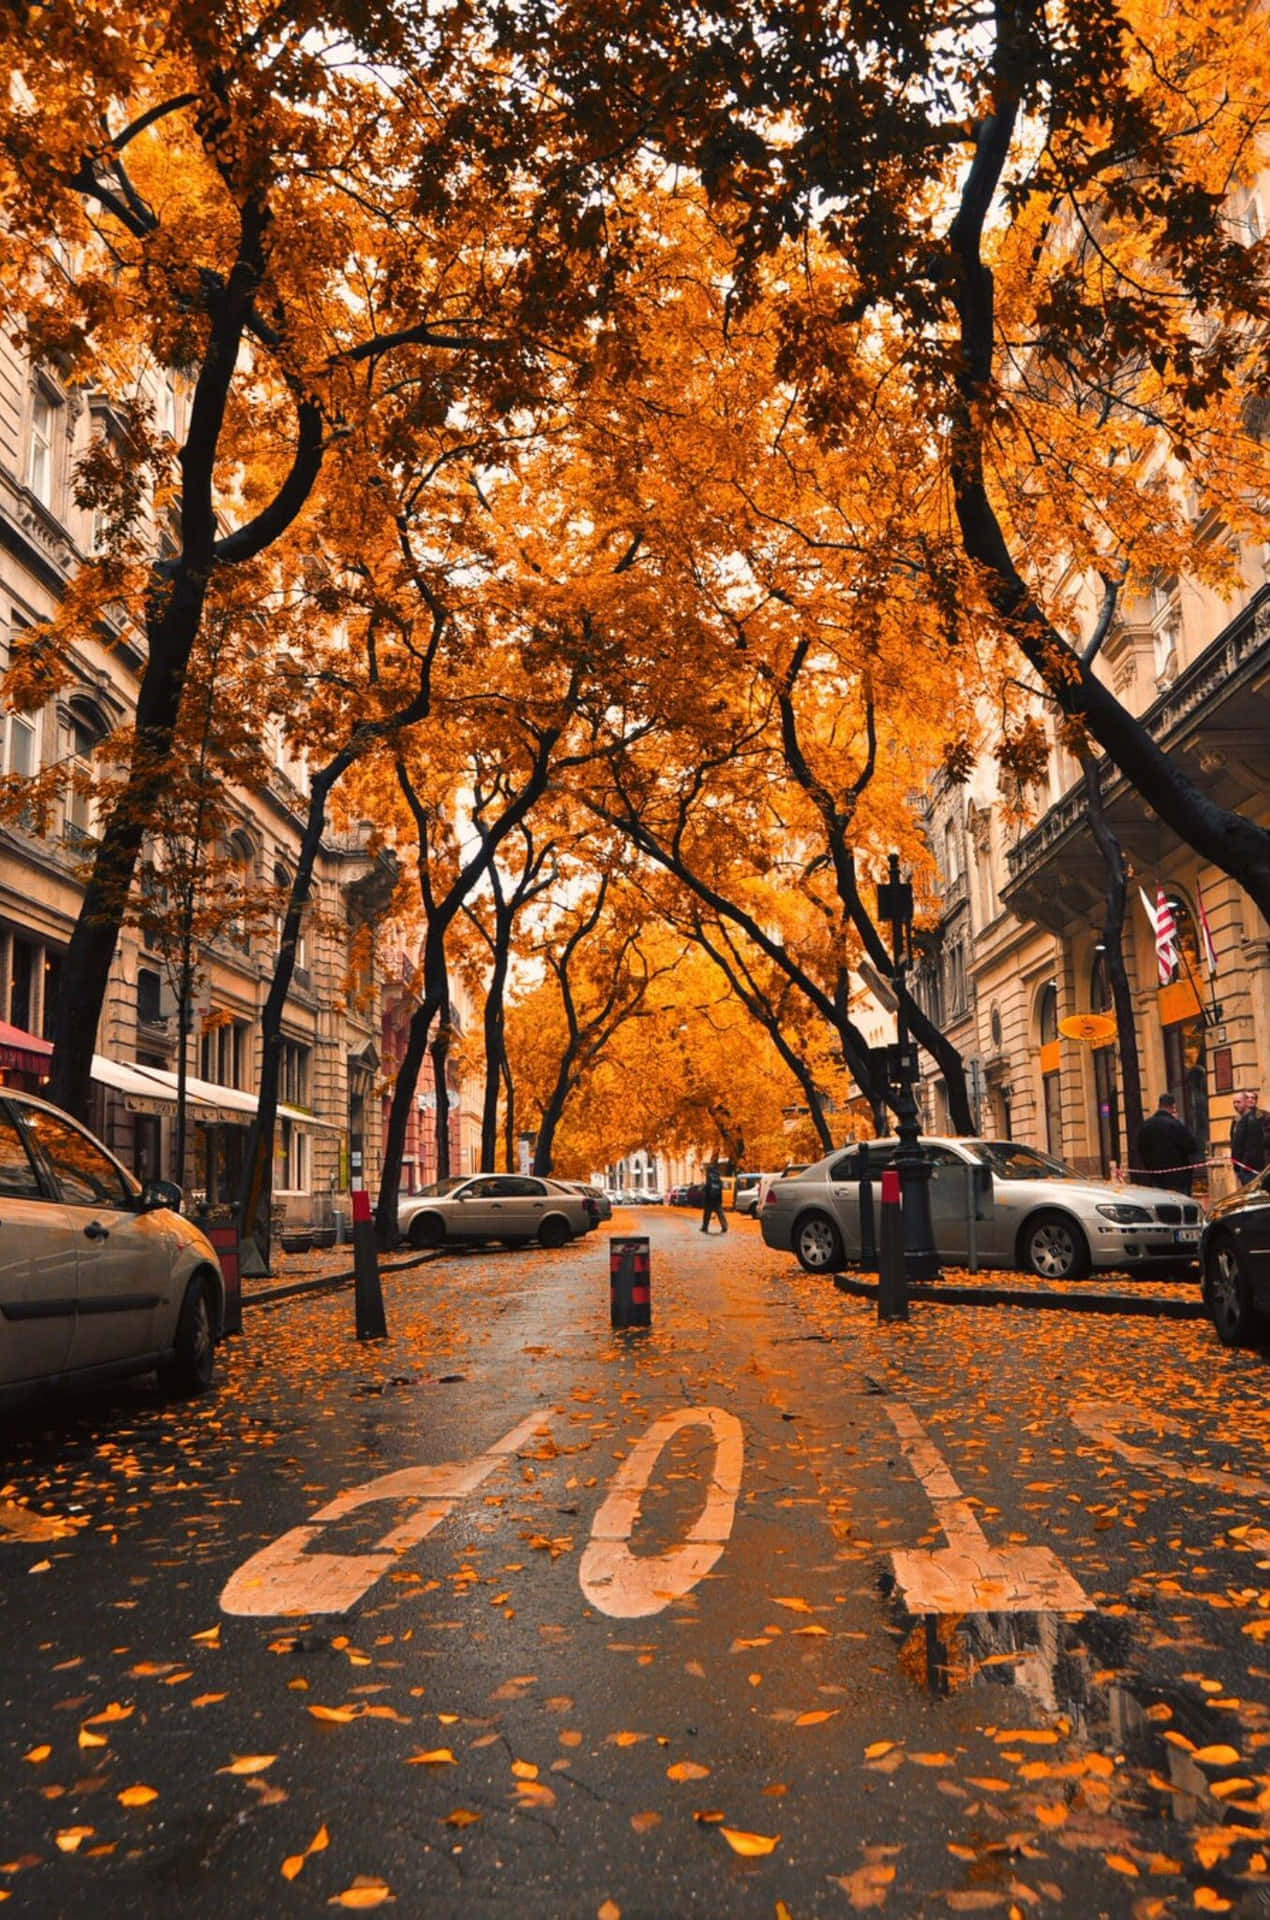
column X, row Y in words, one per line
column 1124, row 1214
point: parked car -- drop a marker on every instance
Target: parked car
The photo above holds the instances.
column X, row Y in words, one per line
column 99, row 1276
column 745, row 1194
column 765, row 1182
column 1234, row 1258
column 513, row 1208
column 1038, row 1214
column 603, row 1209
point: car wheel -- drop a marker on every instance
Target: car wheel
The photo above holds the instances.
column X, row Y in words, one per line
column 818, row 1244
column 193, row 1363
column 1227, row 1292
column 1055, row 1247
column 554, row 1233
column 426, row 1230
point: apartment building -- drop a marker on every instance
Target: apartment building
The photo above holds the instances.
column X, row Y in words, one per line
column 333, row 1092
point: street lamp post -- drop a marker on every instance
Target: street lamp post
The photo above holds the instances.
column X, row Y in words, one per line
column 921, row 1259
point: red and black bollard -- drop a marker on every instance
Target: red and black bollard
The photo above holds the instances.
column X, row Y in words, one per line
column 371, row 1324
column 228, row 1252
column 630, row 1285
column 892, row 1278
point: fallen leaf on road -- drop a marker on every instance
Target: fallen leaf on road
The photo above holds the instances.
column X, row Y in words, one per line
column 867, row 1887
column 752, row 1845
column 70, row 1838
column 794, row 1604
column 524, row 1769
column 532, row 1793
column 709, row 1816
column 645, row 1822
column 137, row 1796
column 608, row 1911
column 87, row 1738
column 462, row 1817
column 208, row 1699
column 113, row 1712
column 436, row 1757
column 817, row 1717
column 249, row 1763
column 626, row 1739
column 878, row 1748
column 209, row 1638
column 1121, row 1863
column 37, row 1754
column 686, row 1770
column 1218, row 1756
column 340, row 1715
column 363, row 1894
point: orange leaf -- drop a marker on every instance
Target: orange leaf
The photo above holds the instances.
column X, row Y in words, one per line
column 524, row 1769
column 292, row 1865
column 686, row 1770
column 816, row 1717
column 210, row 1638
column 608, row 1911
column 1210, row 1901
column 462, row 1817
column 794, row 1604
column 363, row 1894
column 645, row 1822
column 110, row 1714
column 249, row 1763
column 626, row 1739
column 37, row 1754
column 87, row 1738
column 752, row 1845
column 320, row 1841
column 137, row 1796
column 1217, row 1756
column 69, row 1838
column 437, row 1757
column 1121, row 1863
column 878, row 1748
column 341, row 1715
column 709, row 1816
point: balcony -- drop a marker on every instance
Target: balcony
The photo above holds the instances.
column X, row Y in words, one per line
column 1213, row 720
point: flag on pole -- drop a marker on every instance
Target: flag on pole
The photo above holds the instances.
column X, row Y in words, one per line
column 1164, row 926
column 1206, row 934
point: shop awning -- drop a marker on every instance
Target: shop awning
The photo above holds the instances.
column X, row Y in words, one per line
column 140, row 1093
column 23, row 1052
column 227, row 1106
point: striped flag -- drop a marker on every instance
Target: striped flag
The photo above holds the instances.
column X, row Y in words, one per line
column 1206, row 934
column 1164, row 927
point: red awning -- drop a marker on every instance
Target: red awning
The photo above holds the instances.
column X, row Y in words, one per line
column 24, row 1052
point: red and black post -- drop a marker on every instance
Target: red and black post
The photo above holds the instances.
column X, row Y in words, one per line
column 892, row 1276
column 371, row 1324
column 630, row 1285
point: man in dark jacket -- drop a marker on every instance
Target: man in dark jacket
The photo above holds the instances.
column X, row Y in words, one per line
column 1167, row 1149
column 1249, row 1138
column 714, row 1198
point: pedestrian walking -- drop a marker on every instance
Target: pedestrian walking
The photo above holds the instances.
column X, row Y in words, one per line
column 1167, row 1148
column 714, row 1198
column 1249, row 1137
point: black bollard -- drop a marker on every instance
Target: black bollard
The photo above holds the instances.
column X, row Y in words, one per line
column 892, row 1278
column 371, row 1324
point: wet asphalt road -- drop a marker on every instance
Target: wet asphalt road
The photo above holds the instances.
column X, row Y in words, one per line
column 486, row 1731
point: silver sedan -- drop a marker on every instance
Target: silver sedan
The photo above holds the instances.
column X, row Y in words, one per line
column 513, row 1208
column 1020, row 1209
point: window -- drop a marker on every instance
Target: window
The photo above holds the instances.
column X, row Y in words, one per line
column 167, row 410
column 952, row 854
column 293, row 1074
column 41, row 448
column 85, row 1173
column 85, row 732
column 149, row 996
column 17, row 1175
column 291, row 1159
column 222, row 1053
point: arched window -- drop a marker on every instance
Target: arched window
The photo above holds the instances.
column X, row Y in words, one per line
column 1099, row 984
column 1047, row 1013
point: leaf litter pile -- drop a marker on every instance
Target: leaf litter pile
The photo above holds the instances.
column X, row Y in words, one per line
column 1023, row 1748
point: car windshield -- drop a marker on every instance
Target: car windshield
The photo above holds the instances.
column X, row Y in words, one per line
column 1010, row 1161
column 439, row 1187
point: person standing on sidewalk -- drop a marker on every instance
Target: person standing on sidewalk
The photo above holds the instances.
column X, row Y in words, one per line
column 1249, row 1138
column 714, row 1198
column 1167, row 1148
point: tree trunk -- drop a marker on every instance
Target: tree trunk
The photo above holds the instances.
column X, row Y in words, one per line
column 253, row 1197
column 509, row 1114
column 441, row 1085
column 1113, row 945
column 493, row 1023
column 403, row 1094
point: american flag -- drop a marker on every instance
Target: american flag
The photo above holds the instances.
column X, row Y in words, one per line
column 1165, row 937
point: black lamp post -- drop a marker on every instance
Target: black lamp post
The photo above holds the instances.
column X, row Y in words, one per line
column 921, row 1259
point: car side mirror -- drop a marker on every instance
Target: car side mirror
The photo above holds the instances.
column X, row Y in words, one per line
column 161, row 1193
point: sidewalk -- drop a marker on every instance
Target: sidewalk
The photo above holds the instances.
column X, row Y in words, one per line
column 1110, row 1293
column 319, row 1271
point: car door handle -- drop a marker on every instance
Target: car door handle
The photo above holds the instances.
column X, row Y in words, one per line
column 95, row 1231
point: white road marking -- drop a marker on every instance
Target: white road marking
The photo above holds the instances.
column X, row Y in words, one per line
column 1101, row 1420
column 628, row 1586
column 969, row 1575
column 286, row 1578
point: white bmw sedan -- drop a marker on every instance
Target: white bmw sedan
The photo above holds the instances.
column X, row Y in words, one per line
column 513, row 1208
column 1026, row 1211
column 99, row 1276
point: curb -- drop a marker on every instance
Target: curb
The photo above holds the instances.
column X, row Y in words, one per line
column 323, row 1283
column 1144, row 1306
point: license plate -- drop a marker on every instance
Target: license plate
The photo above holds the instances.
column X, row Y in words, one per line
column 1185, row 1236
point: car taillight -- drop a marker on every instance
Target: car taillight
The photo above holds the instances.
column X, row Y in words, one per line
column 769, row 1196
